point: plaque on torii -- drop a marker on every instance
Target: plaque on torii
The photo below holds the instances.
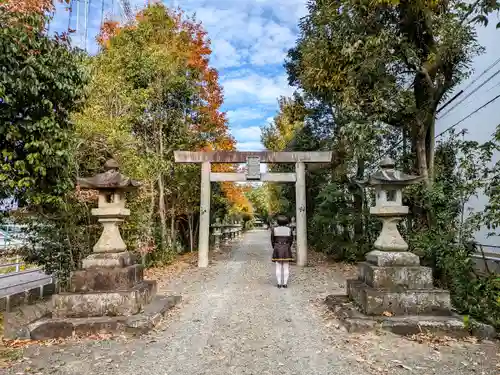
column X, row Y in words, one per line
column 253, row 168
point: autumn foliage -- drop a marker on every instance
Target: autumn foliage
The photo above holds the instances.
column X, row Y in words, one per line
column 210, row 121
column 28, row 6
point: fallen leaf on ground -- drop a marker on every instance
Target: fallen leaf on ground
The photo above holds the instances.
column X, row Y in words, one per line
column 429, row 338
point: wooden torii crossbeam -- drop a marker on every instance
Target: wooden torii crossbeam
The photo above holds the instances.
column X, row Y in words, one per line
column 253, row 160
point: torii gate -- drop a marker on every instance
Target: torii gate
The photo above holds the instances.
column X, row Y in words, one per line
column 253, row 160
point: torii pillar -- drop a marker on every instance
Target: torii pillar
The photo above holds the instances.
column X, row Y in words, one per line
column 205, row 158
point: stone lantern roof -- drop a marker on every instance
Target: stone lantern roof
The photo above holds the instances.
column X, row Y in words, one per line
column 387, row 175
column 217, row 223
column 111, row 179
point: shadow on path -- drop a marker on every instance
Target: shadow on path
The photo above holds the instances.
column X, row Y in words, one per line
column 235, row 321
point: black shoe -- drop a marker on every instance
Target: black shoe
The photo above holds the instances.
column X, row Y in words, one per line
column 279, row 286
column 285, row 286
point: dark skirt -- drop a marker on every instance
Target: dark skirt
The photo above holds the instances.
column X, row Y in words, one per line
column 282, row 253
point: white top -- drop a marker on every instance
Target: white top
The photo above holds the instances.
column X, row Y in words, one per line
column 282, row 231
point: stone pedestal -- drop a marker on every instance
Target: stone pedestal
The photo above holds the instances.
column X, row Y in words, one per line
column 394, row 283
column 111, row 284
column 393, row 291
column 109, row 293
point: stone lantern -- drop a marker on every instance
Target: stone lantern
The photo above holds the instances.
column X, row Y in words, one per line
column 217, row 233
column 389, row 184
column 391, row 280
column 110, row 286
column 109, row 293
column 111, row 211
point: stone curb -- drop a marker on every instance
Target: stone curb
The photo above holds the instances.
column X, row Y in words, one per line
column 42, row 326
column 453, row 325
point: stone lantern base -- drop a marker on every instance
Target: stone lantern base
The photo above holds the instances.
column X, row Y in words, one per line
column 394, row 292
column 108, row 295
column 395, row 283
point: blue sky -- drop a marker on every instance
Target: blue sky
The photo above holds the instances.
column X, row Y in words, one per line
column 481, row 125
column 250, row 39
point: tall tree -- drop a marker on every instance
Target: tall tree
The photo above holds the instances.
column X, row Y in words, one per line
column 391, row 61
column 42, row 84
column 153, row 92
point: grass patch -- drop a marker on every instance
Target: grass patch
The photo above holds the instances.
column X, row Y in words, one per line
column 7, row 355
column 10, row 269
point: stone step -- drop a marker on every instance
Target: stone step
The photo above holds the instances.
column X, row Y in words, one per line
column 374, row 301
column 101, row 279
column 49, row 328
column 396, row 277
column 355, row 321
column 112, row 303
column 392, row 258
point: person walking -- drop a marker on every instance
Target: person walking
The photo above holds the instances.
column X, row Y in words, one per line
column 282, row 240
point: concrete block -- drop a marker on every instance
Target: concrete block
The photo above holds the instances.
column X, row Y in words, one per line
column 405, row 302
column 407, row 277
column 106, row 279
column 111, row 303
column 392, row 258
column 109, row 260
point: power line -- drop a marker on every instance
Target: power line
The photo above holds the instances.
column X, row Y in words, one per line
column 449, row 101
column 472, row 92
column 468, row 116
column 469, row 85
column 483, row 73
column 494, row 86
column 443, row 132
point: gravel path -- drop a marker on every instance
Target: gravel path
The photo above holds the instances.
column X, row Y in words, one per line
column 235, row 321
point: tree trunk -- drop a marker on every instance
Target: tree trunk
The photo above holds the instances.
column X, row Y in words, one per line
column 190, row 226
column 173, row 234
column 163, row 214
column 195, row 232
column 150, row 234
column 420, row 143
column 422, row 216
column 430, row 142
column 358, row 201
column 161, row 193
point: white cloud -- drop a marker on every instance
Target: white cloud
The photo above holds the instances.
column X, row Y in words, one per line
column 244, row 114
column 248, row 134
column 247, row 31
column 249, row 146
column 249, row 40
column 256, row 88
column 225, row 54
